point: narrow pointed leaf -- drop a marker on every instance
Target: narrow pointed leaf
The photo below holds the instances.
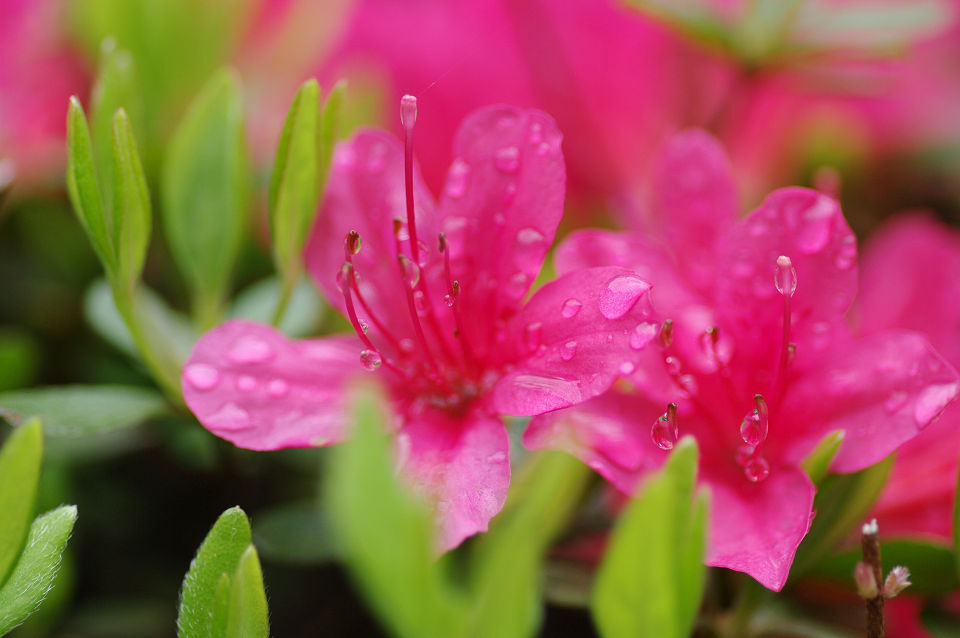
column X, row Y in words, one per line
column 83, row 185
column 818, row 461
column 115, row 88
column 131, row 203
column 247, row 615
column 32, row 576
column 329, row 128
column 652, row 575
column 221, row 607
column 205, row 193
column 219, row 554
column 19, row 474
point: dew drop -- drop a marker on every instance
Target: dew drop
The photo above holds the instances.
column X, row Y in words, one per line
column 785, row 276
column 497, row 457
column 411, row 271
column 688, row 383
column 507, row 159
column 847, row 255
column 251, row 349
column 448, row 299
column 229, row 418
column 570, row 308
column 509, row 194
column 201, row 376
column 455, row 229
column 420, row 303
column 627, row 368
column 536, row 133
column 407, row 345
column 751, row 429
column 664, row 434
column 642, row 335
column 377, row 158
column 531, row 335
column 756, row 469
column 246, row 383
column 278, row 388
column 568, row 350
column 894, row 402
column 743, row 455
column 673, row 365
column 620, row 295
column 815, row 226
column 517, row 285
column 457, row 178
column 528, row 254
column 931, row 402
column 370, row 359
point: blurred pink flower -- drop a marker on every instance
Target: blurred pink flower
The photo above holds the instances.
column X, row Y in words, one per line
column 438, row 306
column 759, row 357
column 909, row 282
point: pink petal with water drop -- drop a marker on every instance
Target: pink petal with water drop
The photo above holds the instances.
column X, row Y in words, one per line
column 756, row 527
column 693, row 199
column 365, row 193
column 610, row 433
column 882, row 391
column 251, row 385
column 577, row 356
column 499, row 210
column 461, row 466
column 809, row 228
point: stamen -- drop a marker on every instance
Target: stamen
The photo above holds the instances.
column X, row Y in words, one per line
column 453, row 286
column 351, row 244
column 666, row 333
column 408, row 117
column 785, row 279
column 666, row 429
column 370, row 356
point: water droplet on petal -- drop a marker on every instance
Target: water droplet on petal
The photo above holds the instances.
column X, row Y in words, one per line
column 743, row 455
column 420, row 303
column 457, row 178
column 517, row 285
column 455, row 229
column 756, row 469
column 246, row 383
column 847, row 255
column 411, row 271
column 278, row 388
column 509, row 194
column 531, row 335
column 894, row 402
column 568, row 350
column 673, row 365
column 251, row 349
column 230, row 417
column 407, row 345
column 642, row 335
column 507, row 159
column 370, row 359
column 931, row 401
column 688, row 383
column 536, row 133
column 570, row 308
column 497, row 457
column 377, row 158
column 620, row 295
column 201, row 376
column 530, row 248
column 815, row 225
column 627, row 368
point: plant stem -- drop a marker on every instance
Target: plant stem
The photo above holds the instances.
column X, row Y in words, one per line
column 870, row 546
column 165, row 372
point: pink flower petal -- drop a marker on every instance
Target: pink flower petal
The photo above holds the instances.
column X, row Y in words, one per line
column 756, row 527
column 809, row 228
column 500, row 209
column 461, row 466
column 610, row 433
column 574, row 338
column 881, row 391
column 365, row 193
column 694, row 199
column 249, row 384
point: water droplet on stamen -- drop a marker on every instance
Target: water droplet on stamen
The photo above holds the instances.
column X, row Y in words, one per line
column 665, row 430
column 743, row 454
column 568, row 350
column 621, row 295
column 785, row 277
column 673, row 365
column 420, row 303
column 251, row 349
column 750, row 430
column 201, row 376
column 756, row 469
column 531, row 335
column 570, row 308
column 642, row 335
column 507, row 159
column 370, row 359
column 411, row 271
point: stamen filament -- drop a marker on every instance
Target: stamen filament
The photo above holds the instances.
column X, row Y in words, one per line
column 347, row 271
column 408, row 117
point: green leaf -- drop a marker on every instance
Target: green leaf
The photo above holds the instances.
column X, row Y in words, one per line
column 652, row 575
column 259, row 300
column 932, row 566
column 247, row 615
column 206, row 181
column 329, row 127
column 37, row 566
column 115, row 88
column 386, row 534
column 694, row 18
column 506, row 564
column 221, row 607
column 83, row 186
column 131, row 204
column 19, row 474
column 297, row 533
column 818, row 462
column 82, row 410
column 219, row 554
column 19, row 358
column 841, row 503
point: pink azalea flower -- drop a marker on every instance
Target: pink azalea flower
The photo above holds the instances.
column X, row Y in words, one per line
column 435, row 293
column 908, row 283
column 758, row 363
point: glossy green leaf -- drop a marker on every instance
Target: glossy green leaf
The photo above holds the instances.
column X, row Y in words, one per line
column 36, row 567
column 932, row 566
column 79, row 410
column 296, row 533
column 330, row 127
column 506, row 563
column 247, row 613
column 115, row 88
column 841, row 503
column 219, row 554
column 84, row 188
column 386, row 534
column 19, row 474
column 206, row 181
column 695, row 18
column 131, row 204
column 818, row 462
column 652, row 575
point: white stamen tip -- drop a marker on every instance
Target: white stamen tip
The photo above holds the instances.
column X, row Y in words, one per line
column 870, row 528
column 408, row 111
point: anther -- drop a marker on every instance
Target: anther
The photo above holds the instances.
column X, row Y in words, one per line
column 442, row 242
column 408, row 111
column 666, row 430
column 351, row 244
column 666, row 333
column 785, row 277
column 408, row 117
